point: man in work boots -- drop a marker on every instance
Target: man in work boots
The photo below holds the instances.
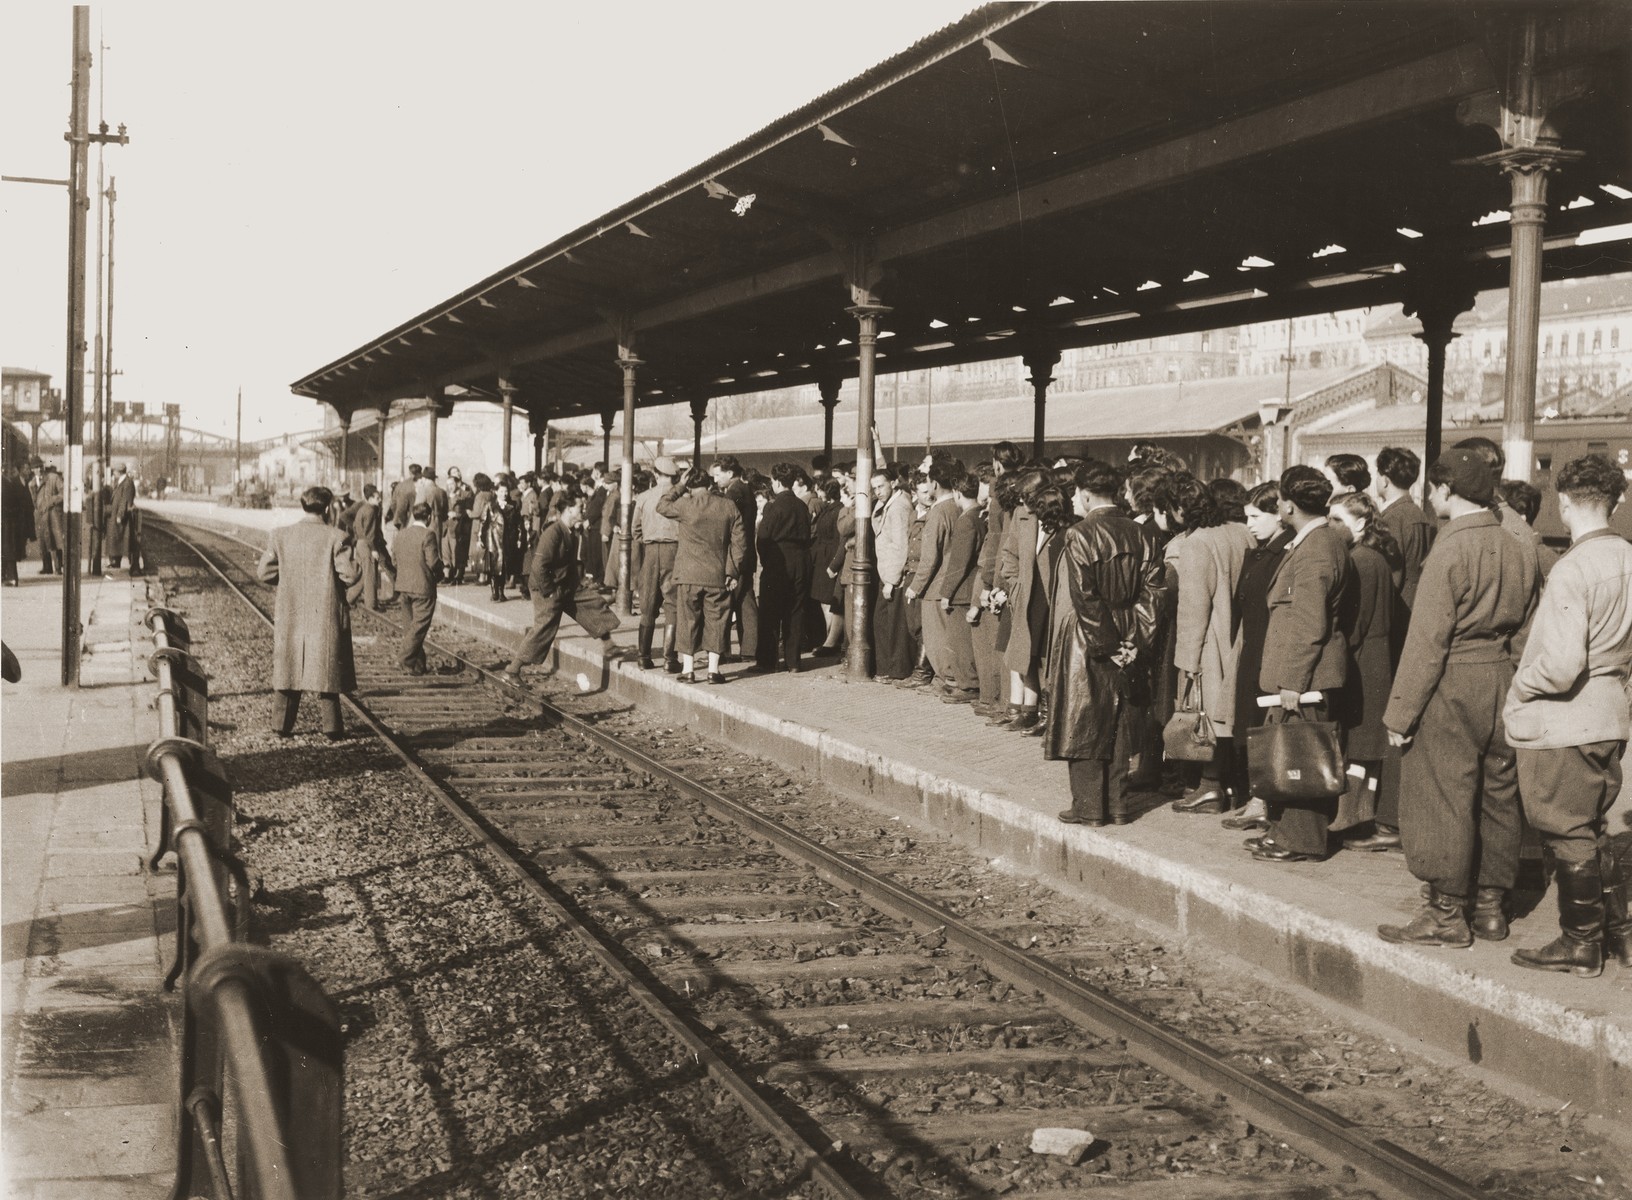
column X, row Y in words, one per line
column 1459, row 802
column 1567, row 720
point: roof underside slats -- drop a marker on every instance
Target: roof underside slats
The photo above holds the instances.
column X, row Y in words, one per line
column 1137, row 144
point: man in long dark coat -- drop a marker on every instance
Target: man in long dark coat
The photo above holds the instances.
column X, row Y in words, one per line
column 783, row 541
column 50, row 527
column 121, row 506
column 1106, row 590
column 16, row 524
column 312, row 563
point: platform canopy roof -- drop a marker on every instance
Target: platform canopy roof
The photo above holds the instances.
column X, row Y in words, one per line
column 1062, row 174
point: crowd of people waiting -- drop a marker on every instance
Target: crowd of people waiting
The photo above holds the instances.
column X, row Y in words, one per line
column 1094, row 606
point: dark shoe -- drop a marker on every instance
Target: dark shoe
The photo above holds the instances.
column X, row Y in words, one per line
column 1381, row 838
column 671, row 666
column 1204, row 799
column 960, row 698
column 919, row 678
column 715, row 677
column 646, row 663
column 1023, row 720
column 1442, row 922
column 1280, row 854
column 1616, row 872
column 686, row 677
column 1487, row 919
column 1579, row 947
column 1003, row 714
column 825, row 652
column 1254, row 814
column 1252, row 843
column 1035, row 731
column 1071, row 817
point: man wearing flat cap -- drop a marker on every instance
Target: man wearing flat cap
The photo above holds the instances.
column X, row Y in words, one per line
column 658, row 537
column 1459, row 798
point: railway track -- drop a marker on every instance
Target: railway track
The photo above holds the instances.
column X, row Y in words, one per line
column 894, row 1045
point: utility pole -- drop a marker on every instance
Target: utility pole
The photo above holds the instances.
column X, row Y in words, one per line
column 73, row 432
column 238, row 451
column 107, row 346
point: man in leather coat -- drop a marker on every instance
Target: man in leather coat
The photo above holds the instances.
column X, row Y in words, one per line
column 1105, row 591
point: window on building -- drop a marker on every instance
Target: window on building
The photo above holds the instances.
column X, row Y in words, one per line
column 1206, row 341
column 1580, row 342
column 1597, row 340
column 1235, row 343
column 1547, row 346
column 1615, row 337
column 1487, row 349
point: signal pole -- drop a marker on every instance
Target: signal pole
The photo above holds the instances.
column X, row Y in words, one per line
column 238, row 446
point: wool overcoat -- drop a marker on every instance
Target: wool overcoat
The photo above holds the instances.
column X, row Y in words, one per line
column 116, row 528
column 1209, row 567
column 1360, row 705
column 1016, row 573
column 312, row 564
column 1309, row 601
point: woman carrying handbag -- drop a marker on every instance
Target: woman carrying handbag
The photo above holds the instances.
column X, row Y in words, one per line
column 1304, row 651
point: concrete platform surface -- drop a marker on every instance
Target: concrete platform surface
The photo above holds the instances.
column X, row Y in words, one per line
column 1312, row 925
column 88, row 1036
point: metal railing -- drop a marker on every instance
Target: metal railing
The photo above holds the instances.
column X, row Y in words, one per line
column 250, row 1014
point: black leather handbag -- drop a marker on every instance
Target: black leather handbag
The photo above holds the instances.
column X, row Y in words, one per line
column 1188, row 735
column 1295, row 761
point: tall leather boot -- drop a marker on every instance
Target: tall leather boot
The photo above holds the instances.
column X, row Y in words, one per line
column 1488, row 918
column 1579, row 948
column 1443, row 921
column 1617, row 876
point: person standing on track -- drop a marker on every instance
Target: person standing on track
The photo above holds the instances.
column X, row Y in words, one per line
column 312, row 564
column 560, row 587
column 708, row 565
column 368, row 541
column 419, row 570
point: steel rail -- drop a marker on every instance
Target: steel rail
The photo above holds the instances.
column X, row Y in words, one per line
column 1312, row 1129
column 816, row 1160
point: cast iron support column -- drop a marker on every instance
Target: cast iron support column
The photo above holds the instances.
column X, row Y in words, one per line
column 1538, row 79
column 626, row 484
column 828, row 385
column 383, row 414
column 345, row 449
column 507, row 392
column 699, row 414
column 607, row 417
column 861, row 558
column 1040, row 359
column 435, row 413
column 1436, row 298
column 539, row 426
column 1527, row 169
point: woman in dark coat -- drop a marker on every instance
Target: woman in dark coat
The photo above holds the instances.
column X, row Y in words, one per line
column 824, row 549
column 16, row 525
column 1016, row 581
column 1251, row 625
column 513, row 542
column 1379, row 570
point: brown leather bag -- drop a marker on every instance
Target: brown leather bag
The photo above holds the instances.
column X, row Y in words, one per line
column 1295, row 761
column 1188, row 735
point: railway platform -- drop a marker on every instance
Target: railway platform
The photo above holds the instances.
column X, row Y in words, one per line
column 1310, row 925
column 89, row 1036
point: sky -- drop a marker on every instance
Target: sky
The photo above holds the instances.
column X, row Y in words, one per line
column 301, row 176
